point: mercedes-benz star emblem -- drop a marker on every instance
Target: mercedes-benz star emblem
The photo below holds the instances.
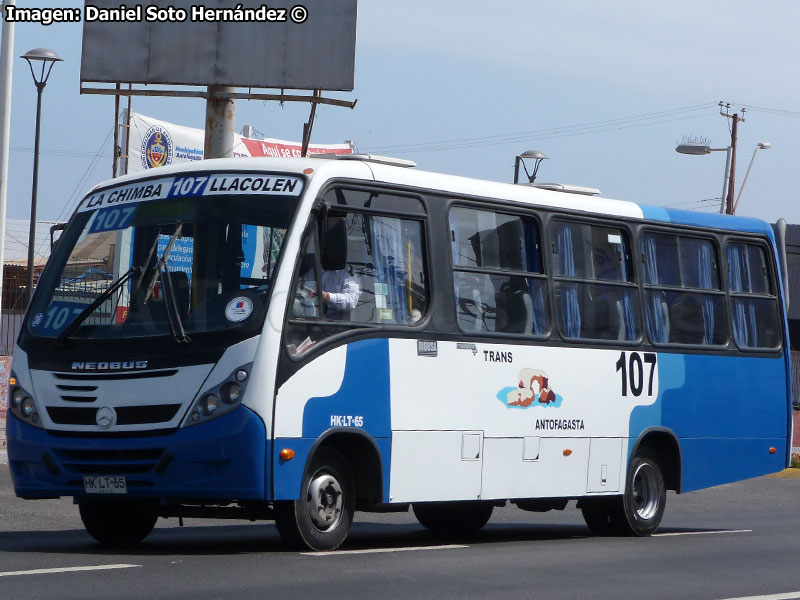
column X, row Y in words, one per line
column 105, row 417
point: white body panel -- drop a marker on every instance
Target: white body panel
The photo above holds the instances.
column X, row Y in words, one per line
column 539, row 450
column 435, row 465
column 321, row 377
column 458, row 389
column 507, row 475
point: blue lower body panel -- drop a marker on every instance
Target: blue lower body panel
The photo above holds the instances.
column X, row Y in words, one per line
column 288, row 474
column 714, row 461
column 223, row 459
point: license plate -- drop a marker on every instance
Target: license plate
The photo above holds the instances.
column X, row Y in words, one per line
column 105, row 484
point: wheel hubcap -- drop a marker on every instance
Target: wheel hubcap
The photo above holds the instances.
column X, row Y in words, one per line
column 645, row 492
column 324, row 501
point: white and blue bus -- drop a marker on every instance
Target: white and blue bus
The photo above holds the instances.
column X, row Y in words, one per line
column 299, row 339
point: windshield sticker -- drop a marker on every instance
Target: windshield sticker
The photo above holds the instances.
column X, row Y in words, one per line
column 59, row 314
column 239, row 309
column 198, row 185
column 112, row 218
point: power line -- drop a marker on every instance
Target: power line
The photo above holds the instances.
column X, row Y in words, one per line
column 588, row 127
column 558, row 129
column 53, row 151
column 774, row 111
column 585, row 131
column 73, row 199
column 704, row 200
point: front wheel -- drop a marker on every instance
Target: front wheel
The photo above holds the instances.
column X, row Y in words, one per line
column 118, row 523
column 321, row 518
column 645, row 496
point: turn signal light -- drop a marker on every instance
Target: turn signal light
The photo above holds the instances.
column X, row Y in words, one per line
column 567, row 452
column 287, row 454
column 773, row 450
column 12, row 381
column 308, row 171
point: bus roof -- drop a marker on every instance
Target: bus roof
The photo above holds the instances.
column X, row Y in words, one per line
column 457, row 185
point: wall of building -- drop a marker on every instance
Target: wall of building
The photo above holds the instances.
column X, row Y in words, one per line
column 5, row 371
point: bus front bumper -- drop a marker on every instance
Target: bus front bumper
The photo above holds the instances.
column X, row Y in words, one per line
column 222, row 459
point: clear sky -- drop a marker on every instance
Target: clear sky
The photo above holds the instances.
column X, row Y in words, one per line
column 605, row 89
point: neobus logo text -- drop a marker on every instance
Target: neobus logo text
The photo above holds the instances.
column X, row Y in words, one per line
column 109, row 366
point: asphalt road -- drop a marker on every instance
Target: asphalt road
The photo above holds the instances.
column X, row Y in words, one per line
column 734, row 541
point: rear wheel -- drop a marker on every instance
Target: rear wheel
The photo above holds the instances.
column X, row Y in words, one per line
column 453, row 517
column 118, row 523
column 645, row 496
column 321, row 518
column 639, row 510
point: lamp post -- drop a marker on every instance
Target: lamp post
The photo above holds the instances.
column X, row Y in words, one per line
column 700, row 149
column 47, row 58
column 537, row 156
column 759, row 146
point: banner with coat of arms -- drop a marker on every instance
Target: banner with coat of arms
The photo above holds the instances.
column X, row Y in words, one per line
column 153, row 143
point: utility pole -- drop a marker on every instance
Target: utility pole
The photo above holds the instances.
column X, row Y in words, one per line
column 220, row 122
column 734, row 134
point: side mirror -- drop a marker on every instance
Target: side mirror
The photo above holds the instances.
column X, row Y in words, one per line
column 334, row 244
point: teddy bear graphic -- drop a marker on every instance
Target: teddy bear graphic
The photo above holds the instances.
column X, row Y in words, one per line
column 534, row 386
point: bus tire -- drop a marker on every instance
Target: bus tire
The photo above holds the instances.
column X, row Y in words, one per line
column 453, row 517
column 321, row 518
column 118, row 523
column 602, row 515
column 642, row 504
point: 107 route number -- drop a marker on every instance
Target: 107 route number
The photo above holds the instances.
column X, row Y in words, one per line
column 631, row 367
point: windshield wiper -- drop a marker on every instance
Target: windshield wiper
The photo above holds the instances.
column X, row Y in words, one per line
column 173, row 315
column 84, row 314
column 162, row 261
column 170, row 301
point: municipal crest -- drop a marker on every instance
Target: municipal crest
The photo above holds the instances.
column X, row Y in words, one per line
column 156, row 147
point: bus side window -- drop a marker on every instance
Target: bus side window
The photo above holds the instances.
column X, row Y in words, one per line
column 593, row 282
column 498, row 276
column 754, row 305
column 305, row 303
column 684, row 301
column 383, row 282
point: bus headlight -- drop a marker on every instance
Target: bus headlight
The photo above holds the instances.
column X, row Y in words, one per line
column 17, row 396
column 220, row 399
column 231, row 393
column 27, row 407
column 209, row 404
column 23, row 406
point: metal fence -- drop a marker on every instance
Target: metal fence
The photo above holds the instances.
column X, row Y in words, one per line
column 13, row 309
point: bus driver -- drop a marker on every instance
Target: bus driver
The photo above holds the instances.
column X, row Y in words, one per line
column 339, row 304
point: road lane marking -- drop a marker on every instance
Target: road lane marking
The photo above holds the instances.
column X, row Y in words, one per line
column 786, row 596
column 384, row 550
column 702, row 532
column 67, row 570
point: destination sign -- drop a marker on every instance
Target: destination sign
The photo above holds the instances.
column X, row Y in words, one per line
column 183, row 186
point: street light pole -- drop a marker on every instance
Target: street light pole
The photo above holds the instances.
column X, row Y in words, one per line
column 48, row 58
column 537, row 157
column 34, row 193
column 702, row 149
column 759, row 146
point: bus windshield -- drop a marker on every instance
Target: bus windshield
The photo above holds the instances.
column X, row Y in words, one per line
column 172, row 266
